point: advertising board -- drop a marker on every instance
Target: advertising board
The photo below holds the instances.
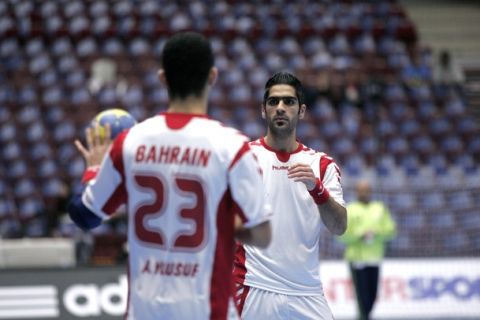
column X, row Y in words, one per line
column 409, row 289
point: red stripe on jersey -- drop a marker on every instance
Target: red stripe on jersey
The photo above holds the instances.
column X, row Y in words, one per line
column 244, row 149
column 240, row 297
column 256, row 143
column 325, row 161
column 176, row 121
column 239, row 267
column 221, row 286
column 119, row 196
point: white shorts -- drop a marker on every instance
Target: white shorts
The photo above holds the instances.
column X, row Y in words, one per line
column 253, row 304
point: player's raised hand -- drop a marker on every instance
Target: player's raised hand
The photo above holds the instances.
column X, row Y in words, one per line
column 98, row 142
column 301, row 172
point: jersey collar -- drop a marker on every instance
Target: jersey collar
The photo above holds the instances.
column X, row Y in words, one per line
column 178, row 120
column 283, row 156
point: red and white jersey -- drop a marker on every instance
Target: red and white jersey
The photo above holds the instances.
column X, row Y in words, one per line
column 183, row 177
column 290, row 264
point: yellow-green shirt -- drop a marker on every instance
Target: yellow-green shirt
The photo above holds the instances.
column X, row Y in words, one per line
column 363, row 217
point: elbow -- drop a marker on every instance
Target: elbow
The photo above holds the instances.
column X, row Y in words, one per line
column 258, row 236
column 340, row 230
column 81, row 216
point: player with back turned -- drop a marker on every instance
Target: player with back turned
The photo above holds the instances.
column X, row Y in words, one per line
column 282, row 281
column 184, row 178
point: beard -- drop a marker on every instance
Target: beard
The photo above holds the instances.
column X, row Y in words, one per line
column 284, row 130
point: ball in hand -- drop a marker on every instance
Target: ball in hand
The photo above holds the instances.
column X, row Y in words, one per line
column 118, row 119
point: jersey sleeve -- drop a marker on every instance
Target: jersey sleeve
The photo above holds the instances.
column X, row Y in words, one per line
column 246, row 185
column 331, row 178
column 104, row 192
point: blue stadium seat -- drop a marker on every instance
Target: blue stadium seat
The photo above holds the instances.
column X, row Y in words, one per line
column 431, row 200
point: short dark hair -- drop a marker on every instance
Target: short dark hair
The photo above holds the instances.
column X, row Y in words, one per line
column 186, row 60
column 284, row 78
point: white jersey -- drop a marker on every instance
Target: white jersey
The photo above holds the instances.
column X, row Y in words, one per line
column 183, row 177
column 290, row 264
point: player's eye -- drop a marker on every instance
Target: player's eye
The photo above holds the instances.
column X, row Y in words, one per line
column 288, row 101
column 273, row 101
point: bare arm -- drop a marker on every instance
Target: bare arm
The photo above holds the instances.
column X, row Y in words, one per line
column 333, row 215
column 258, row 236
column 93, row 154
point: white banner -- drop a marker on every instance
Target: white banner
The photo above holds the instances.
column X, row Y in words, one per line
column 409, row 288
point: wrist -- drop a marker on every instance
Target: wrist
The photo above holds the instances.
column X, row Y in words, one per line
column 90, row 173
column 319, row 193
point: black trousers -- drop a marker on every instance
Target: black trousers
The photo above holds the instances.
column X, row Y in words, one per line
column 365, row 281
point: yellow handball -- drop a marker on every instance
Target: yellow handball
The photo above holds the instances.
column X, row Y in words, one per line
column 118, row 119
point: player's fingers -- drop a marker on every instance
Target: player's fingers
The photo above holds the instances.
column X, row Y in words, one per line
column 89, row 136
column 304, row 169
column 294, row 166
column 107, row 139
column 96, row 135
column 309, row 181
column 301, row 175
column 298, row 166
column 81, row 148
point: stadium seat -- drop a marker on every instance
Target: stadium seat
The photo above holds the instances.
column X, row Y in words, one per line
column 431, row 200
column 403, row 201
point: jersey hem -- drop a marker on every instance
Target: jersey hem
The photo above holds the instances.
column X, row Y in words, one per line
column 317, row 291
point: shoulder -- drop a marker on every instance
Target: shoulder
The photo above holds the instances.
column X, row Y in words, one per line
column 352, row 207
column 324, row 157
column 326, row 162
column 155, row 123
column 379, row 204
column 352, row 203
column 255, row 144
column 220, row 131
column 321, row 156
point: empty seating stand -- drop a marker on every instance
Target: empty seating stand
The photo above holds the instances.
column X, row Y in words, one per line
column 372, row 103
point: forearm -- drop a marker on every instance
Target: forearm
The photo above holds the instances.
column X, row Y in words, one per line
column 258, row 236
column 334, row 216
column 81, row 215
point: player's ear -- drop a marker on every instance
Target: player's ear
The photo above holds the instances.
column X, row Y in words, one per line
column 161, row 76
column 301, row 111
column 212, row 76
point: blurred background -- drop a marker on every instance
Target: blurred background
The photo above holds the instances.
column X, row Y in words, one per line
column 393, row 95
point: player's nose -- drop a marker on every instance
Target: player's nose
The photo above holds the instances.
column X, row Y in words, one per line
column 280, row 107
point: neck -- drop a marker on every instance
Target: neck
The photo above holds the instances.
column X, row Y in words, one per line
column 193, row 105
column 286, row 144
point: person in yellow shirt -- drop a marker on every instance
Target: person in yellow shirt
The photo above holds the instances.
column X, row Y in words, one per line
column 369, row 227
